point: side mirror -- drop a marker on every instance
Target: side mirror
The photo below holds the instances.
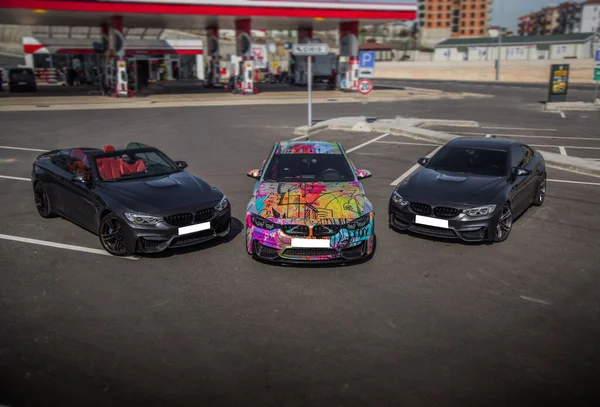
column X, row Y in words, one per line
column 362, row 174
column 255, row 173
column 181, row 164
column 519, row 172
column 82, row 178
column 423, row 161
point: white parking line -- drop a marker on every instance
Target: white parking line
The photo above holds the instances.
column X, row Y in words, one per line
column 406, row 143
column 564, row 116
column 576, row 147
column 537, row 300
column 23, row 148
column 16, row 178
column 367, row 143
column 299, row 138
column 516, row 128
column 413, row 168
column 574, row 182
column 467, row 133
column 563, row 151
column 63, row 246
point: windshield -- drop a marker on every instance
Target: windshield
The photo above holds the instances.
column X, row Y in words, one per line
column 308, row 168
column 469, row 160
column 132, row 165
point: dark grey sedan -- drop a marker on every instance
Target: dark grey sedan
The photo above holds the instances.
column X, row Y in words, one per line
column 471, row 189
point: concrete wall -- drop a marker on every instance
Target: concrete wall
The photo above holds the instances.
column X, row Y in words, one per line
column 511, row 70
column 515, row 52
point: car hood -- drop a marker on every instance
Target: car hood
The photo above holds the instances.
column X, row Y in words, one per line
column 158, row 195
column 439, row 187
column 310, row 202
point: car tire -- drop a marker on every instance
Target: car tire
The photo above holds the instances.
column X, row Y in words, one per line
column 42, row 201
column 112, row 236
column 504, row 225
column 540, row 193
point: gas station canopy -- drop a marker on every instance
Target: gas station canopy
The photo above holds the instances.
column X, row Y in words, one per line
column 199, row 14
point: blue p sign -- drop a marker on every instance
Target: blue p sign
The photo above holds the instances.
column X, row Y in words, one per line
column 598, row 56
column 367, row 59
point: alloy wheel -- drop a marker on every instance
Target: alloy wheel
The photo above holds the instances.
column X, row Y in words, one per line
column 504, row 223
column 542, row 191
column 113, row 237
column 41, row 201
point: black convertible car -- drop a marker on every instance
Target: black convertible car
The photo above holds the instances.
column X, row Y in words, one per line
column 136, row 199
column 471, row 189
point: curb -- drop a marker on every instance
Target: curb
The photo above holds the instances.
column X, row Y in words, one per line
column 415, row 128
column 566, row 106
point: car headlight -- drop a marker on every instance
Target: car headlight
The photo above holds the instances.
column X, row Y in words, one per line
column 359, row 223
column 398, row 199
column 142, row 220
column 263, row 223
column 222, row 204
column 480, row 211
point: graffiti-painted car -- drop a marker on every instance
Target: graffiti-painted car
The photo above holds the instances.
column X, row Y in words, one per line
column 308, row 205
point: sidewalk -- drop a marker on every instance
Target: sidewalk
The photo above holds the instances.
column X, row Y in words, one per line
column 36, row 103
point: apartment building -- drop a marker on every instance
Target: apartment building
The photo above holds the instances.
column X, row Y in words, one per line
column 590, row 16
column 566, row 18
column 442, row 19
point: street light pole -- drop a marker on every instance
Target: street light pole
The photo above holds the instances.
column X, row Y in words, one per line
column 309, row 63
column 499, row 54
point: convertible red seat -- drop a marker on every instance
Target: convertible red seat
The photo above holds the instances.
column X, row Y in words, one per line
column 137, row 166
column 110, row 168
column 109, row 149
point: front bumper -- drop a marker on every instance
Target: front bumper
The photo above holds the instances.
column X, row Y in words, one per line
column 276, row 246
column 463, row 228
column 153, row 240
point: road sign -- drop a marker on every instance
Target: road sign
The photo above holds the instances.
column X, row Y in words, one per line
column 366, row 73
column 310, row 49
column 365, row 86
column 598, row 57
column 597, row 74
column 367, row 59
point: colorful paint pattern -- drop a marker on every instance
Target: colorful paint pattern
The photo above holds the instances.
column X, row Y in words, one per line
column 311, row 205
column 308, row 147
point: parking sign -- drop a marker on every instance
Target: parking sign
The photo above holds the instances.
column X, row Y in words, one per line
column 598, row 57
column 367, row 59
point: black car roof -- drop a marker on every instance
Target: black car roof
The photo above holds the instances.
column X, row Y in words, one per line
column 489, row 143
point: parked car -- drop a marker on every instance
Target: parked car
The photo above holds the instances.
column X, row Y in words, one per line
column 136, row 199
column 308, row 205
column 471, row 189
column 21, row 79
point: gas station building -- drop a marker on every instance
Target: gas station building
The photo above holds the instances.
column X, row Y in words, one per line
column 119, row 60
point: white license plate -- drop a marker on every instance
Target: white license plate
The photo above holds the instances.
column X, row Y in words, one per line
column 194, row 228
column 311, row 243
column 438, row 223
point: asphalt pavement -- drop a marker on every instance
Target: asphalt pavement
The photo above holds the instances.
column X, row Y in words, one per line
column 425, row 322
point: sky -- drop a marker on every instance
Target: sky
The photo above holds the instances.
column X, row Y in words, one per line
column 507, row 12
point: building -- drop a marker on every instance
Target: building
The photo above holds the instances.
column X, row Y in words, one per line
column 442, row 19
column 590, row 16
column 562, row 19
column 516, row 48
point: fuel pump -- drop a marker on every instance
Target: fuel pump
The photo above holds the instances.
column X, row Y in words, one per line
column 121, row 80
column 352, row 74
column 247, row 86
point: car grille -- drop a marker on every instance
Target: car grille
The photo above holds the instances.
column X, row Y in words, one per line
column 295, row 230
column 420, row 209
column 192, row 238
column 354, row 252
column 446, row 213
column 204, row 214
column 432, row 231
column 265, row 252
column 309, row 252
column 148, row 244
column 182, row 219
column 325, row 230
column 473, row 235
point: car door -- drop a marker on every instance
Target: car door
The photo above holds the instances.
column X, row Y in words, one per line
column 533, row 164
column 77, row 199
column 518, row 195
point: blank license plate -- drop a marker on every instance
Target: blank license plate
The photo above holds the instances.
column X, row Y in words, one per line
column 194, row 228
column 311, row 243
column 424, row 220
column 22, row 83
